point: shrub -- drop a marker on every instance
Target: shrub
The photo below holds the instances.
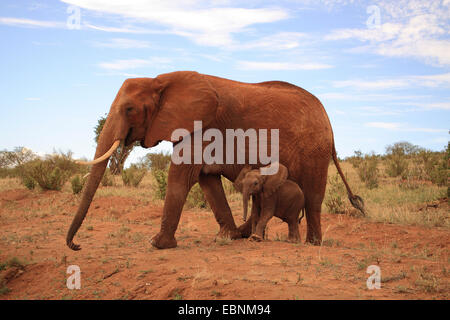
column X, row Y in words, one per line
column 77, row 183
column 368, row 171
column 397, row 156
column 161, row 182
column 335, row 195
column 158, row 161
column 107, row 179
column 133, row 176
column 356, row 159
column 436, row 168
column 196, row 198
column 228, row 187
column 396, row 165
column 64, row 162
column 28, row 182
column 46, row 173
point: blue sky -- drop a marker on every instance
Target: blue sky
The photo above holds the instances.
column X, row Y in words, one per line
column 381, row 68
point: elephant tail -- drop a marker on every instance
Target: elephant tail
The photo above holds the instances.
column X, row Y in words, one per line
column 356, row 201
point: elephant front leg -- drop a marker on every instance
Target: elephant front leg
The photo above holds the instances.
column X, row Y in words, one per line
column 177, row 190
column 266, row 214
column 215, row 195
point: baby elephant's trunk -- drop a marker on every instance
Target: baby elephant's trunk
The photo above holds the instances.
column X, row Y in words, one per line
column 245, row 197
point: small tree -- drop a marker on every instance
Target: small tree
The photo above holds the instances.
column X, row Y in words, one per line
column 17, row 157
column 118, row 158
column 368, row 171
column 156, row 161
column 397, row 158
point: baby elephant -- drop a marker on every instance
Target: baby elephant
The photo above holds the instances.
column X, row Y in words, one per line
column 272, row 195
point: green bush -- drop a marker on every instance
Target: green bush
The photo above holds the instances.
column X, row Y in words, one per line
column 28, row 182
column 396, row 165
column 45, row 173
column 107, row 179
column 133, row 176
column 77, row 183
column 436, row 167
column 161, row 183
column 335, row 195
column 356, row 159
column 368, row 171
column 196, row 198
column 228, row 186
column 158, row 161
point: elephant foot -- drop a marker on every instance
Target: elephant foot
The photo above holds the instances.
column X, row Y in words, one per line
column 162, row 241
column 314, row 240
column 245, row 229
column 255, row 237
column 294, row 239
column 228, row 233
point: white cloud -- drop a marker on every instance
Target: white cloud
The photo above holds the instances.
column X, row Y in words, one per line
column 21, row 22
column 409, row 28
column 396, row 126
column 207, row 24
column 371, row 85
column 33, row 99
column 133, row 30
column 255, row 65
column 384, row 125
column 126, row 64
column 278, row 41
column 379, row 111
column 436, row 80
column 122, row 43
column 429, row 105
column 368, row 96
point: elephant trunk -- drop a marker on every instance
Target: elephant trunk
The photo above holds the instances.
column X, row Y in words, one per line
column 106, row 140
column 245, row 197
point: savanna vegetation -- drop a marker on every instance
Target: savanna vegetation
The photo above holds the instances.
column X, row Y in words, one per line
column 404, row 231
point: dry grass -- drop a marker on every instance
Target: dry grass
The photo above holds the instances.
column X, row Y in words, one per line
column 10, row 184
column 392, row 202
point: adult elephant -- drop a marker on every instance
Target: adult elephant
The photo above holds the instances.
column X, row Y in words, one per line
column 150, row 109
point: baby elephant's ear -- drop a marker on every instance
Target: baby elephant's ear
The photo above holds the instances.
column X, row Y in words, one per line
column 274, row 181
column 238, row 182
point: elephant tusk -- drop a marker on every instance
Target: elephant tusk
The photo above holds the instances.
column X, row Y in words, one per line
column 103, row 157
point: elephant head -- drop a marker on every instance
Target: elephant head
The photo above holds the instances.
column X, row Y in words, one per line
column 147, row 110
column 251, row 182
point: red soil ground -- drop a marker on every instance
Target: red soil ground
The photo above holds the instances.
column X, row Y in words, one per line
column 118, row 262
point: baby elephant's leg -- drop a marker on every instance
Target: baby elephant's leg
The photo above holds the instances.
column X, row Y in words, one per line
column 266, row 215
column 254, row 218
column 292, row 221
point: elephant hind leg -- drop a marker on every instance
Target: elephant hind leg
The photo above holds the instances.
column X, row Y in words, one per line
column 314, row 191
column 292, row 221
column 313, row 225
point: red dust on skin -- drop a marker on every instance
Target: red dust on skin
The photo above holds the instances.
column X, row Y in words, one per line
column 118, row 261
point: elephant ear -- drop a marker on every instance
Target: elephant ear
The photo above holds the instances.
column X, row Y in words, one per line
column 238, row 182
column 274, row 181
column 181, row 98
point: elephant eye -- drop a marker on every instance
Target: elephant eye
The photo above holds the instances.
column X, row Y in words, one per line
column 255, row 183
column 129, row 109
